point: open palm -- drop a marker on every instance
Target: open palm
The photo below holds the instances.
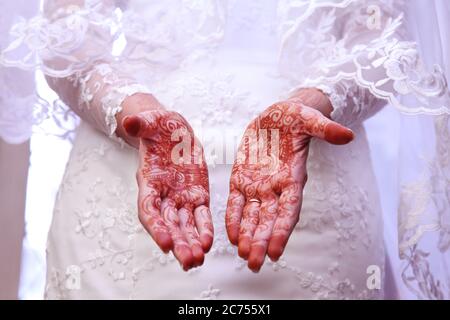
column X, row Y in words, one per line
column 173, row 200
column 268, row 177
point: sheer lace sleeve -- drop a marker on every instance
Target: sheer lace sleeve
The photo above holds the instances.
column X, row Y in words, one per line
column 357, row 53
column 71, row 42
column 365, row 54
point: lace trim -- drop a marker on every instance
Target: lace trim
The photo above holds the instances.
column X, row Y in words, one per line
column 112, row 103
column 60, row 45
column 113, row 88
column 349, row 101
column 381, row 63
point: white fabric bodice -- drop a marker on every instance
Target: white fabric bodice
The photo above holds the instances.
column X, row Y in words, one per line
column 219, row 91
column 95, row 216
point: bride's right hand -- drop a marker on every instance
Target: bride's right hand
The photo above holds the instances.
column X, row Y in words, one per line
column 173, row 200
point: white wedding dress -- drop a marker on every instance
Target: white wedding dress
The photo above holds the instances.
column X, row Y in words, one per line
column 219, row 64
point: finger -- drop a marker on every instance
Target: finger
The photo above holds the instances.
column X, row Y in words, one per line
column 250, row 218
column 203, row 221
column 149, row 214
column 317, row 125
column 188, row 228
column 181, row 248
column 235, row 205
column 139, row 125
column 288, row 215
column 258, row 248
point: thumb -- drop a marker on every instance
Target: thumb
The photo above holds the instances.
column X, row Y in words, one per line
column 321, row 127
column 138, row 126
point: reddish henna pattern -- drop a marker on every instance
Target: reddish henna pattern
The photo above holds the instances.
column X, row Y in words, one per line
column 268, row 177
column 173, row 200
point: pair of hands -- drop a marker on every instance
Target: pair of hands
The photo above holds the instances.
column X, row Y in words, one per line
column 266, row 183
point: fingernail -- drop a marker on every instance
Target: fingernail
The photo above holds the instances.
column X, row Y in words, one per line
column 256, row 258
column 165, row 242
column 132, row 125
column 244, row 248
column 337, row 134
column 206, row 241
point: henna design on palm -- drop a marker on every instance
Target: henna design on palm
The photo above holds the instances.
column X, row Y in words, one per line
column 173, row 200
column 268, row 177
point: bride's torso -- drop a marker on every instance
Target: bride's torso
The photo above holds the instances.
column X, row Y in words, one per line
column 219, row 85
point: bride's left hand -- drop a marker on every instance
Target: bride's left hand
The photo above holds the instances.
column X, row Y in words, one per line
column 268, row 177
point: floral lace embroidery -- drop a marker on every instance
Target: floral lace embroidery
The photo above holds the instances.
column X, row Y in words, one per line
column 112, row 88
column 335, row 56
column 424, row 210
column 322, row 284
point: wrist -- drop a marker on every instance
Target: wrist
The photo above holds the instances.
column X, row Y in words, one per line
column 313, row 98
column 133, row 105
